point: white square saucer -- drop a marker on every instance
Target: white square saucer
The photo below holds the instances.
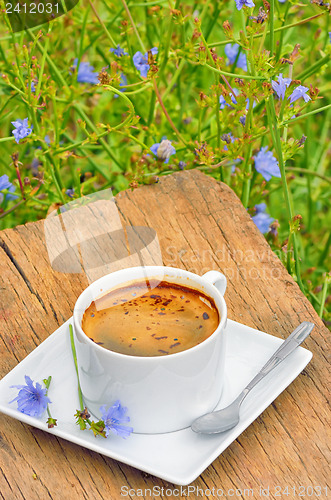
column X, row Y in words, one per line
column 178, row 457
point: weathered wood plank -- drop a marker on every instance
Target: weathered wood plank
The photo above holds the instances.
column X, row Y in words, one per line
column 201, row 225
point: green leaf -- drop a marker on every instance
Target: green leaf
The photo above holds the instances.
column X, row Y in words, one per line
column 51, row 422
column 98, row 428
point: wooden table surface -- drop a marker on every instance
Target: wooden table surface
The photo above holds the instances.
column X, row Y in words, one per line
column 201, row 225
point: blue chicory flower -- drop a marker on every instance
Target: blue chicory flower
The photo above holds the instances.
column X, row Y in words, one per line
column 31, row 400
column 281, row 86
column 261, row 219
column 266, row 164
column 223, row 103
column 32, row 86
column 242, row 120
column 141, row 61
column 163, row 150
column 114, row 418
column 244, row 3
column 298, row 92
column 70, row 192
column 22, row 129
column 6, row 184
column 118, row 51
column 229, row 138
column 85, row 73
column 231, row 51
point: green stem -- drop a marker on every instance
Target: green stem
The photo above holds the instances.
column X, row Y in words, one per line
column 199, row 124
column 12, row 209
column 286, row 192
column 213, row 20
column 166, row 46
column 247, row 181
column 325, row 251
column 103, row 25
column 234, row 75
column 271, row 24
column 318, row 110
column 280, row 45
column 313, row 68
column 52, row 65
column 138, row 91
column 324, row 292
column 104, row 144
column 174, row 79
column 47, row 382
column 133, row 25
column 82, row 34
column 42, row 63
column 74, row 354
column 5, row 139
column 309, row 172
column 180, row 137
column 288, row 256
column 243, row 22
column 53, row 175
column 134, row 139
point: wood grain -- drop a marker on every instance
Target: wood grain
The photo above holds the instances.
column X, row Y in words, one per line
column 201, row 225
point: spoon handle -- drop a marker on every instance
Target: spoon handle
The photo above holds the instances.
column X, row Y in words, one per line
column 291, row 343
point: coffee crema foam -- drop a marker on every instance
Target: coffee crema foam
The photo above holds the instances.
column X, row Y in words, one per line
column 151, row 318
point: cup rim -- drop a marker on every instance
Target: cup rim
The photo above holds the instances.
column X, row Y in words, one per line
column 119, row 355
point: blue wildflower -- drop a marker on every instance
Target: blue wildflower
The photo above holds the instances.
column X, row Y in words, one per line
column 123, row 82
column 163, row 150
column 281, row 1
column 227, row 138
column 47, row 140
column 85, row 73
column 118, row 51
column 70, row 192
column 22, row 129
column 281, row 86
column 266, row 164
column 298, row 92
column 32, row 86
column 6, row 184
column 223, row 102
column 141, row 61
column 31, row 400
column 231, row 51
column 244, row 3
column 181, row 165
column 261, row 219
column 242, row 120
column 114, row 418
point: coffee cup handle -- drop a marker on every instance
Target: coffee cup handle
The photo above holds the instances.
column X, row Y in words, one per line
column 217, row 279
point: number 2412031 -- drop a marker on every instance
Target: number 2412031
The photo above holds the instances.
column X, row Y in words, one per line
column 33, row 8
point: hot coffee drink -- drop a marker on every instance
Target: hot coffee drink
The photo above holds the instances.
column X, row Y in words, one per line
column 151, row 318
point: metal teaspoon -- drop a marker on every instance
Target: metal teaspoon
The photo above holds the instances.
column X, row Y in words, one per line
column 227, row 418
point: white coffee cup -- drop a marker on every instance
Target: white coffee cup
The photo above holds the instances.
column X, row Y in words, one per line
column 162, row 393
